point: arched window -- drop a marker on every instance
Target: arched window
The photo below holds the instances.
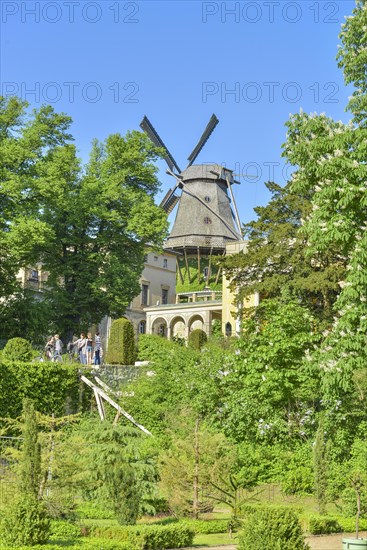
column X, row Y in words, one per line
column 142, row 327
column 207, row 198
column 228, row 329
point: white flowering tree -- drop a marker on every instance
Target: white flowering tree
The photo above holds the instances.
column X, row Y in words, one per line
column 330, row 160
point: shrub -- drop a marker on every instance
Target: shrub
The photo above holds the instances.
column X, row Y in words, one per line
column 323, row 525
column 25, row 523
column 53, row 387
column 64, row 529
column 299, row 481
column 149, row 537
column 151, row 346
column 272, row 529
column 348, row 525
column 18, row 349
column 121, row 344
column 197, row 338
column 207, row 527
column 88, row 510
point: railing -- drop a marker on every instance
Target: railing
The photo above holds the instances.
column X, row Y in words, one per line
column 198, row 296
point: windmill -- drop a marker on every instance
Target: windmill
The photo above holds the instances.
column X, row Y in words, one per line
column 207, row 217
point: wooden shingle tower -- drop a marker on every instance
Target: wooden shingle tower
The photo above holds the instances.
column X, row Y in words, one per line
column 206, row 218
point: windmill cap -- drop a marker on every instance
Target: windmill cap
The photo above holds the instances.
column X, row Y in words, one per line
column 212, row 172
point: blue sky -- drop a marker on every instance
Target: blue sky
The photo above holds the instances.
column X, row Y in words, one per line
column 107, row 63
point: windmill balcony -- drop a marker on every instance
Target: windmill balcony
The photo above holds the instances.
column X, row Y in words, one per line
column 198, row 296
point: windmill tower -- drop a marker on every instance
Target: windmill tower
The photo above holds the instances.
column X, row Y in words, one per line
column 206, row 218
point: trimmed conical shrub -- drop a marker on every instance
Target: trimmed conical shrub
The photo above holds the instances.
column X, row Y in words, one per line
column 121, row 344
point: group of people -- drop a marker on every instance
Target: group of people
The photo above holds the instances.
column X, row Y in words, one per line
column 89, row 349
column 53, row 348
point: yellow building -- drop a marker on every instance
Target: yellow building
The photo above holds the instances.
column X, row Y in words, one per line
column 231, row 309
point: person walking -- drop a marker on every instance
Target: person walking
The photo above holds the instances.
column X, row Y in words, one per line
column 57, row 348
column 49, row 348
column 81, row 344
column 89, row 348
column 97, row 349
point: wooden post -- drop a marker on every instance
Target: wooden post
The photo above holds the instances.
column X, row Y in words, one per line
column 209, row 267
column 99, row 404
column 179, row 271
column 187, row 266
column 199, row 265
column 103, row 395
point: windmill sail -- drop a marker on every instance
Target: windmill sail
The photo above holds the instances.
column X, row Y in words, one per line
column 153, row 135
column 204, row 138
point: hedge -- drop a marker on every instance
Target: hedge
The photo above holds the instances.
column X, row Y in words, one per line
column 145, row 537
column 87, row 510
column 54, row 387
column 207, row 527
column 148, row 537
column 323, row 525
column 121, row 344
column 64, row 529
column 87, row 544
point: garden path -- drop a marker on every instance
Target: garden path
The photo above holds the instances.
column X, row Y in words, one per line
column 320, row 542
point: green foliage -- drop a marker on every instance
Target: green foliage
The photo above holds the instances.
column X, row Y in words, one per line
column 352, row 59
column 270, row 390
column 194, row 455
column 323, row 525
column 277, row 257
column 52, row 386
column 272, row 529
column 92, row 250
column 18, row 349
column 152, row 537
column 298, row 481
column 197, row 339
column 21, row 314
column 91, row 510
column 206, row 527
column 64, row 529
column 111, row 465
column 121, row 344
column 25, row 523
column 30, row 464
column 151, row 347
column 320, row 467
column 190, row 276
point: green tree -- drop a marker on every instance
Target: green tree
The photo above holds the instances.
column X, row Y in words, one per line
column 88, row 227
column 112, row 465
column 352, row 59
column 270, row 390
column 26, row 146
column 21, row 314
column 188, row 462
column 25, row 521
column 277, row 256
